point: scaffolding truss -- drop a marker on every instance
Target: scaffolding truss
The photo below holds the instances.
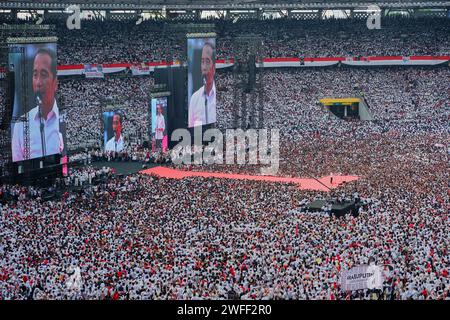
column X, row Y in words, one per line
column 248, row 88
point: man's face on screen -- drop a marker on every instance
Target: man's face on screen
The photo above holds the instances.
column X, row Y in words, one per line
column 208, row 65
column 117, row 125
column 44, row 81
column 159, row 110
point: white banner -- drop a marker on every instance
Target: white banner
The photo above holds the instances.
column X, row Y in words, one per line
column 405, row 61
column 93, row 71
column 138, row 70
column 297, row 64
column 362, row 277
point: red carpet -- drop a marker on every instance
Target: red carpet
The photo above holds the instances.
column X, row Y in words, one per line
column 303, row 183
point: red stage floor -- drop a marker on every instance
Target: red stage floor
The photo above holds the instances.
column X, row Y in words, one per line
column 303, row 183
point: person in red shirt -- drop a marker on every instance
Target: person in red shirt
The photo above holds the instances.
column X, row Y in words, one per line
column 425, row 293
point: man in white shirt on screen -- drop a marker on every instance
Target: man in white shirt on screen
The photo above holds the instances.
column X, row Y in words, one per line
column 202, row 107
column 45, row 138
column 116, row 143
column 160, row 127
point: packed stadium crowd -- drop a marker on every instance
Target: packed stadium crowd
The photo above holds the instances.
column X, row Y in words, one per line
column 395, row 95
column 145, row 237
column 153, row 41
column 125, row 41
column 252, row 240
column 229, row 239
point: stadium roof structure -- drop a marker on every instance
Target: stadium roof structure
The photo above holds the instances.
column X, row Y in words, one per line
column 218, row 4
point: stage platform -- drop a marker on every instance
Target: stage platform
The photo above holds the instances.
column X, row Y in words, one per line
column 338, row 209
column 122, row 168
column 322, row 184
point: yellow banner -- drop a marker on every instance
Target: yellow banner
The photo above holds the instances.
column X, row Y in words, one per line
column 339, row 101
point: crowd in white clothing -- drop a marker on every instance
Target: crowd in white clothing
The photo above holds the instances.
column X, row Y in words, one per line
column 144, row 237
column 120, row 41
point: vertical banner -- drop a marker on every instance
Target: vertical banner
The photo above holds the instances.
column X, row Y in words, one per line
column 37, row 125
column 159, row 137
column 63, row 129
column 201, row 52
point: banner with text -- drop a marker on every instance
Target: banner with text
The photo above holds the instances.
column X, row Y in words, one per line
column 140, row 69
column 93, row 71
column 361, row 277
